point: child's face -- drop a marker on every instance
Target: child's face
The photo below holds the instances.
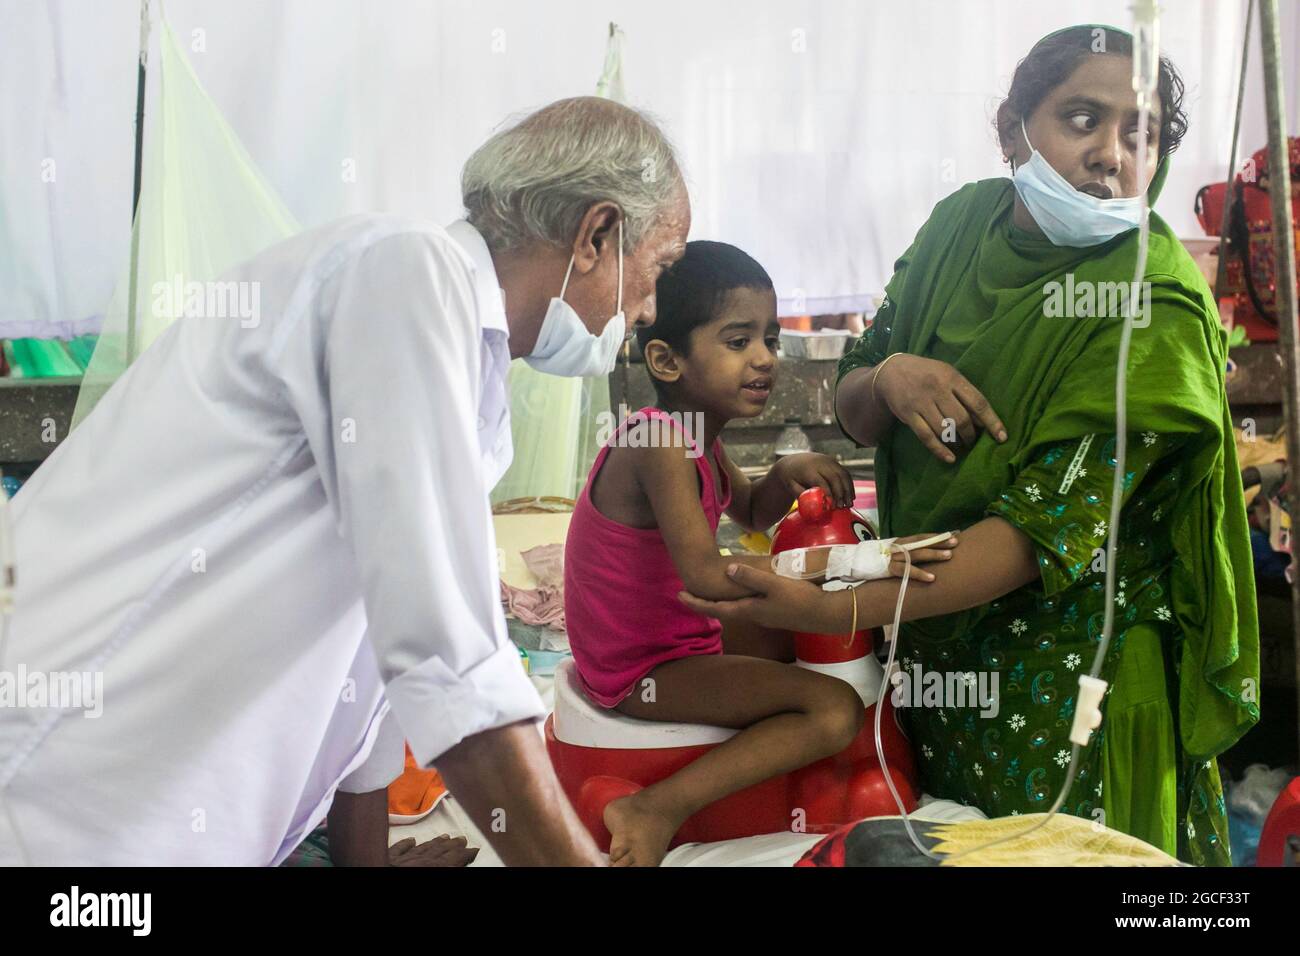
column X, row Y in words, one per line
column 731, row 366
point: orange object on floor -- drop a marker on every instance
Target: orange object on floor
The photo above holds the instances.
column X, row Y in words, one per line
column 413, row 795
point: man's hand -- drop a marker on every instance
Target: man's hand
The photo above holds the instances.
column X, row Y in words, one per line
column 937, row 402
column 440, row 851
column 798, row 473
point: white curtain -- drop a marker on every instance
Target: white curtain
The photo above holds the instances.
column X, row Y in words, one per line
column 817, row 134
column 67, row 96
column 555, row 422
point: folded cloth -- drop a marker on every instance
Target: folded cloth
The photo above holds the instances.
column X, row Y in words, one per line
column 546, row 562
column 543, row 605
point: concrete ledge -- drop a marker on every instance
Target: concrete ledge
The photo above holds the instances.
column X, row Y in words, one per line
column 32, row 412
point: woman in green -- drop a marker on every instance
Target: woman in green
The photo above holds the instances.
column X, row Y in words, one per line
column 987, row 384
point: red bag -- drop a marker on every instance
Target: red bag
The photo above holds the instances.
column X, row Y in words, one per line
column 1249, row 274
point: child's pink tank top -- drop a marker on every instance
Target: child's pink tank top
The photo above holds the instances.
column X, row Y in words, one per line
column 620, row 585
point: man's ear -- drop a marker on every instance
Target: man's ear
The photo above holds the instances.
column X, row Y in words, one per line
column 597, row 232
column 661, row 360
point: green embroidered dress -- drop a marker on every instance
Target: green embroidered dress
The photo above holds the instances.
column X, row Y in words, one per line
column 977, row 292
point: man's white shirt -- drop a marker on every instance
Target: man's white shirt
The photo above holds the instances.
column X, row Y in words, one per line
column 259, row 535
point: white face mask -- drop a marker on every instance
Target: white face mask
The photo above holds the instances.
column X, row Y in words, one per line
column 1066, row 216
column 565, row 347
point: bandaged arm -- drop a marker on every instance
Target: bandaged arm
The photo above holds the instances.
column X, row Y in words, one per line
column 861, row 561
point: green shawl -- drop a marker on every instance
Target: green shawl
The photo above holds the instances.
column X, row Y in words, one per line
column 971, row 292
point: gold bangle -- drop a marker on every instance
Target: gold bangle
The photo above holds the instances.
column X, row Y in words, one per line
column 853, row 629
column 875, row 373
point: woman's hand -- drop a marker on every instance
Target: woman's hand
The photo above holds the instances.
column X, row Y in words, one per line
column 937, row 402
column 798, row 473
column 785, row 603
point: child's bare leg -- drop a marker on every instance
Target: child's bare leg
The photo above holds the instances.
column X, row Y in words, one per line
column 790, row 718
column 747, row 639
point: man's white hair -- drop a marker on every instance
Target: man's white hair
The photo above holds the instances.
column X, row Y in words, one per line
column 536, row 179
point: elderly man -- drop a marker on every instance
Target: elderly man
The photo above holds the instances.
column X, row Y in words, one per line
column 300, row 535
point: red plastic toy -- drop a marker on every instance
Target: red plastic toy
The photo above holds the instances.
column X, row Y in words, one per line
column 600, row 755
column 1280, row 837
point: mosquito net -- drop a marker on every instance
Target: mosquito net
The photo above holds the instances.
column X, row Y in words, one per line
column 204, row 208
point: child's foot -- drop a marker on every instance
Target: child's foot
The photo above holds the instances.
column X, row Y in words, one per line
column 639, row 833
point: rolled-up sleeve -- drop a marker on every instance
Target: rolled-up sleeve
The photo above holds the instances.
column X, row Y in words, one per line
column 393, row 424
column 1061, row 500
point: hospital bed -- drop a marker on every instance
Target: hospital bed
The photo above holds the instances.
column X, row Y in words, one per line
column 773, row 849
column 1069, row 841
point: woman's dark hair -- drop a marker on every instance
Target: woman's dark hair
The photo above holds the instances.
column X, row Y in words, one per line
column 1054, row 58
column 690, row 293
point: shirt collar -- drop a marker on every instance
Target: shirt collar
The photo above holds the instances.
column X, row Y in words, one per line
column 487, row 290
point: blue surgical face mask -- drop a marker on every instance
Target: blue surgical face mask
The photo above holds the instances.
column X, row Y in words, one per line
column 565, row 347
column 1066, row 216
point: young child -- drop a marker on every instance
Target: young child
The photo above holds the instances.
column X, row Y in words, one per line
column 644, row 529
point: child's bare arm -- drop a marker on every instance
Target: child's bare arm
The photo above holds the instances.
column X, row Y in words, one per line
column 766, row 501
column 669, row 481
column 795, row 474
column 742, row 489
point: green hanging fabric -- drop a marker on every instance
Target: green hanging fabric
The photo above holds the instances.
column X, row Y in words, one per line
column 204, row 208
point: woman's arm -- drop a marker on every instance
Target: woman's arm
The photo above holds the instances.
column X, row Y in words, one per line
column 864, row 420
column 999, row 553
column 928, row 396
column 994, row 559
